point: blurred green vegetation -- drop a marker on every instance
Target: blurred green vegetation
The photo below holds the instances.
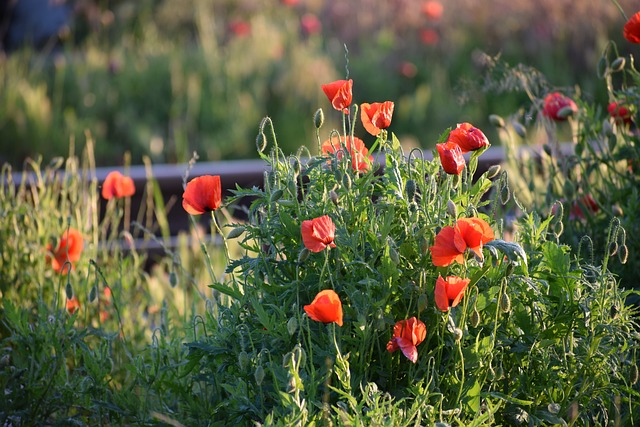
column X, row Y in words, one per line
column 162, row 78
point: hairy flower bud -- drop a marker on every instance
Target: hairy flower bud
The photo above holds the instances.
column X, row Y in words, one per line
column 276, row 195
column 617, row 211
column 633, row 374
column 618, row 64
column 519, row 129
column 505, row 303
column 496, row 120
column 457, row 334
column 259, row 374
column 613, row 248
column 452, row 209
column 292, row 325
column 474, row 318
column 334, row 197
column 93, row 293
column 493, row 171
column 236, row 232
column 410, row 189
column 261, row 142
column 346, row 181
column 318, row 118
column 243, row 360
column 623, row 254
column 304, row 254
column 173, row 279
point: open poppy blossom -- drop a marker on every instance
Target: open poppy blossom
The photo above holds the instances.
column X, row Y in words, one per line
column 117, row 185
column 631, row 29
column 558, row 106
column 432, row 9
column 449, row 291
column 203, row 194
column 376, row 116
column 359, row 153
column 318, row 233
column 468, row 137
column 587, row 203
column 407, row 335
column 69, row 250
column 451, row 157
column 452, row 242
column 340, row 94
column 620, row 112
column 73, row 305
column 326, row 307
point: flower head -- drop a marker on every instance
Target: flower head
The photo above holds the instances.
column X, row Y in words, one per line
column 318, row 233
column 325, row 307
column 432, row 9
column 620, row 112
column 340, row 94
column 73, row 305
column 202, row 194
column 376, row 116
column 69, row 250
column 407, row 334
column 449, row 291
column 468, row 137
column 451, row 243
column 587, row 203
column 451, row 157
column 558, row 106
column 310, row 24
column 117, row 185
column 631, row 30
column 360, row 159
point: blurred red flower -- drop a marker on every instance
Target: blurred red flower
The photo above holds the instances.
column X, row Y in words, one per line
column 376, row 116
column 620, row 112
column 289, row 2
column 429, row 36
column 117, row 185
column 452, row 242
column 359, row 153
column 468, row 137
column 558, row 106
column 449, row 291
column 326, row 308
column 203, row 194
column 318, row 233
column 73, row 305
column 631, row 29
column 69, row 250
column 451, row 157
column 340, row 94
column 240, row 28
column 310, row 24
column 432, row 10
column 407, row 335
column 587, row 203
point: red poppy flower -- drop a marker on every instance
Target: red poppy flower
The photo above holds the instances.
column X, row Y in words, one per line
column 310, row 24
column 432, row 10
column 555, row 103
column 318, row 233
column 452, row 242
column 376, row 116
column 340, row 94
column 69, row 250
column 203, row 194
column 588, row 203
column 73, row 305
column 449, row 291
column 620, row 112
column 451, row 157
column 429, row 36
column 468, row 137
column 631, row 29
column 407, row 335
column 326, row 308
column 360, row 160
column 240, row 28
column 117, row 185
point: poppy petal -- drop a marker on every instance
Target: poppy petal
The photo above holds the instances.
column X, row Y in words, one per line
column 408, row 349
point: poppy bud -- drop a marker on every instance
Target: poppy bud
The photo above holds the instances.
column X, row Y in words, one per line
column 173, row 279
column 295, row 164
column 617, row 210
column 493, row 171
column 292, row 326
column 318, row 118
column 236, row 232
column 613, row 248
column 424, row 245
column 519, row 129
column 565, row 112
column 457, row 334
column 410, row 189
column 259, row 374
column 334, row 197
column 496, row 120
column 623, row 254
column 393, row 254
column 243, row 359
column 505, row 303
column 452, row 209
column 5, row 360
column 276, row 195
column 505, row 193
column 261, row 142
column 618, row 64
column 346, row 181
column 474, row 318
column 304, row 254
column 633, row 374
column 93, row 293
column 68, row 290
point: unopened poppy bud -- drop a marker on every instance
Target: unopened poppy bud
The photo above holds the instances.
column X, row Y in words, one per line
column 236, row 232
column 623, row 254
column 276, row 195
column 547, row 149
column 173, row 279
column 261, row 142
column 496, row 120
column 633, row 374
column 566, row 112
column 505, row 303
column 291, row 385
column 519, row 129
column 613, row 248
column 493, row 171
column 334, row 197
column 346, row 181
column 243, row 360
column 618, row 64
column 554, row 408
column 5, row 360
column 292, row 326
column 318, row 118
column 452, row 209
column 505, row 193
column 292, row 187
column 617, row 210
column 393, row 254
column 410, row 189
column 295, row 164
column 93, row 293
column 457, row 334
column 509, row 269
column 304, row 254
column 259, row 374
column 474, row 318
column 68, row 290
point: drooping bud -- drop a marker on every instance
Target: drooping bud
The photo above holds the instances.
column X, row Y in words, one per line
column 452, row 209
column 68, row 290
column 410, row 189
column 496, row 120
column 259, row 374
column 93, row 293
column 613, row 248
column 346, row 181
column 505, row 302
column 261, row 142
column 633, row 374
column 334, row 197
column 243, row 360
column 519, row 129
column 393, row 254
column 457, row 334
column 173, row 279
column 623, row 254
column 618, row 64
column 292, row 326
column 474, row 317
column 566, row 112
column 276, row 195
column 236, row 232
column 493, row 171
column 617, row 211
column 318, row 118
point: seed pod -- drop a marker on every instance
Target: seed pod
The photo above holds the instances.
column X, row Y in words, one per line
column 493, row 171
column 505, row 303
column 334, row 197
column 236, row 232
column 496, row 120
column 618, row 64
column 259, row 374
column 519, row 129
column 623, row 254
column 318, row 118
column 474, row 317
column 292, row 326
column 410, row 189
column 452, row 209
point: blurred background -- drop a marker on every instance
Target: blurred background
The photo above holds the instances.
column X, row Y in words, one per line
column 164, row 78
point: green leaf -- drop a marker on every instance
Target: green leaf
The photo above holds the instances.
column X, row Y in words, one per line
column 509, row 399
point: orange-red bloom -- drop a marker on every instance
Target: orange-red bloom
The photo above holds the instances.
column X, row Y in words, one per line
column 588, row 203
column 432, row 9
column 318, row 233
column 631, row 29
column 620, row 112
column 117, row 185
column 340, row 94
column 451, row 157
column 326, row 307
column 69, row 250
column 449, row 291
column 73, row 305
column 407, row 334
column 452, row 242
column 359, row 153
column 203, row 194
column 468, row 137
column 556, row 102
column 376, row 116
